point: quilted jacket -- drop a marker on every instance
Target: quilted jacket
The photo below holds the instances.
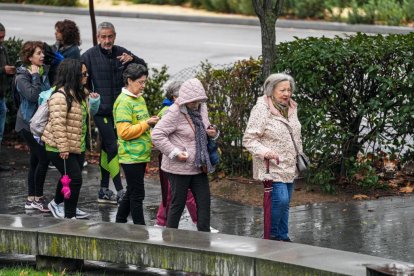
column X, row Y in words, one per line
column 267, row 131
column 64, row 129
column 173, row 133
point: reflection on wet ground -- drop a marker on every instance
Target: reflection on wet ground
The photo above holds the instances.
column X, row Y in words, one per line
column 380, row 228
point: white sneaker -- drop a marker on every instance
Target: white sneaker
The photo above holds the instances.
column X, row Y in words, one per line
column 57, row 209
column 213, row 230
column 81, row 214
column 159, row 226
column 85, row 163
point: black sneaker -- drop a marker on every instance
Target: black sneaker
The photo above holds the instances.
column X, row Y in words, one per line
column 120, row 195
column 4, row 168
column 106, row 196
column 40, row 205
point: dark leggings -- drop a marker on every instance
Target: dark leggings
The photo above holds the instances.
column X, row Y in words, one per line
column 198, row 184
column 74, row 165
column 39, row 163
column 134, row 195
column 109, row 152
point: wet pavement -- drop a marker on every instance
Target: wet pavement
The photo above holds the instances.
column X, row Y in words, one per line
column 380, row 228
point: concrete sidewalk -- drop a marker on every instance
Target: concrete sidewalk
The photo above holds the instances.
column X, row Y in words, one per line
column 189, row 15
column 380, row 228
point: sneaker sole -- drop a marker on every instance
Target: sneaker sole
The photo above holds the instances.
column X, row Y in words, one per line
column 28, row 207
column 107, row 201
column 82, row 216
column 41, row 209
column 52, row 210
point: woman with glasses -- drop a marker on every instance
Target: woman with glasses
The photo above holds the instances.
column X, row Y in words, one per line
column 65, row 133
column 134, row 141
column 181, row 136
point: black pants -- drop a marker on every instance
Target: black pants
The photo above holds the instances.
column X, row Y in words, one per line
column 134, row 195
column 39, row 163
column 74, row 165
column 198, row 184
column 109, row 152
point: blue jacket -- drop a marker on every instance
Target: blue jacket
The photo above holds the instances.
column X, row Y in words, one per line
column 29, row 88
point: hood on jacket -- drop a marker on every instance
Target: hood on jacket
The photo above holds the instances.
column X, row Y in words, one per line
column 21, row 70
column 190, row 91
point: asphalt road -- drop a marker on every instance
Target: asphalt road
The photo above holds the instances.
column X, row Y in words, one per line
column 178, row 45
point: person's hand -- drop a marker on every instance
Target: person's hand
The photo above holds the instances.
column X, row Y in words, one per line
column 153, row 120
column 94, row 95
column 271, row 155
column 124, row 58
column 34, row 69
column 10, row 69
column 182, row 156
column 64, row 155
column 212, row 131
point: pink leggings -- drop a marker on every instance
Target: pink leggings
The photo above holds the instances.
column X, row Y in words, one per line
column 163, row 212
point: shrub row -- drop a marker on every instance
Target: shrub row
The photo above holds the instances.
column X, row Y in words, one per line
column 388, row 12
column 225, row 6
column 66, row 3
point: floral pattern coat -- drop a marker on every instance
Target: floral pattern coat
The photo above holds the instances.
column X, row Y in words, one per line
column 267, row 131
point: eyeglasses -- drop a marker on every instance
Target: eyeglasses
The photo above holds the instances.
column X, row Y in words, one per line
column 142, row 82
column 85, row 74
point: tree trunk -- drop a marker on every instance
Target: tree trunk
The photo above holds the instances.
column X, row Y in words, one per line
column 267, row 24
column 268, row 11
column 93, row 22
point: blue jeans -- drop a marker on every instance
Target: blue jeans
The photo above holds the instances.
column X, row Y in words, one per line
column 3, row 111
column 281, row 195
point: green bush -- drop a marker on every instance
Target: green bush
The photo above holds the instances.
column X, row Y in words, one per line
column 359, row 15
column 408, row 7
column 305, row 9
column 196, row 3
column 153, row 92
column 388, row 12
column 354, row 94
column 241, row 6
column 67, row 3
column 220, row 6
column 232, row 93
column 363, row 174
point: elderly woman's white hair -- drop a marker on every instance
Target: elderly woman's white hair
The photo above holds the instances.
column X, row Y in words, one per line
column 172, row 88
column 275, row 79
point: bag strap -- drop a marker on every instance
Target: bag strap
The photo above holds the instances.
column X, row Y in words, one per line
column 291, row 136
column 188, row 120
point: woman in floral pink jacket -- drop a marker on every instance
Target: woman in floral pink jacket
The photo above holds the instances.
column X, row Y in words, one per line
column 267, row 137
column 181, row 135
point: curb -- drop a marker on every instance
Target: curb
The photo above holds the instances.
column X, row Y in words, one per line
column 281, row 23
